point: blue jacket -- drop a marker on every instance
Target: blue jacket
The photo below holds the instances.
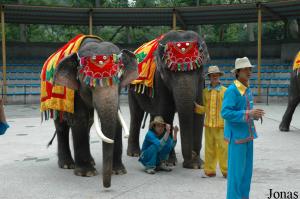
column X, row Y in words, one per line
column 238, row 100
column 152, row 139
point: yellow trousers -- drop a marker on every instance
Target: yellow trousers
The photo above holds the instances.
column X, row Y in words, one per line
column 216, row 151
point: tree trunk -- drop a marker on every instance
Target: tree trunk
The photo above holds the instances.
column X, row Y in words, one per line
column 129, row 38
column 298, row 21
column 97, row 3
column 293, row 29
column 221, row 36
column 250, row 31
column 23, row 27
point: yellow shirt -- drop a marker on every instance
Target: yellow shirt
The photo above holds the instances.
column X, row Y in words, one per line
column 212, row 104
column 296, row 64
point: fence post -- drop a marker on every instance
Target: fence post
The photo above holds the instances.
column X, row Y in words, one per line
column 25, row 94
column 268, row 94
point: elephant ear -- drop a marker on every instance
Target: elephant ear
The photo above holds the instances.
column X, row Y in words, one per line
column 131, row 67
column 66, row 72
column 203, row 49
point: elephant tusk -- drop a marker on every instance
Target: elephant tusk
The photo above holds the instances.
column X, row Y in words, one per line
column 98, row 129
column 126, row 131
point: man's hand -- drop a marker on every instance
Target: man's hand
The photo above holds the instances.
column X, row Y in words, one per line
column 167, row 133
column 168, row 128
column 256, row 113
column 176, row 129
column 199, row 109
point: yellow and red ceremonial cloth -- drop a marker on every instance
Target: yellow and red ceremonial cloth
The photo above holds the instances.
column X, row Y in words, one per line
column 146, row 66
column 54, row 97
column 296, row 64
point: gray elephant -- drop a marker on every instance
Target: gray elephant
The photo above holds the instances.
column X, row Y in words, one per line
column 89, row 97
column 178, row 83
column 293, row 100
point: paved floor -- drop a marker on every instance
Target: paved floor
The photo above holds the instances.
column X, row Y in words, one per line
column 29, row 170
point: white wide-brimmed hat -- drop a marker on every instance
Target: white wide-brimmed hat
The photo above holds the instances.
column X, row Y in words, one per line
column 242, row 63
column 213, row 70
column 157, row 120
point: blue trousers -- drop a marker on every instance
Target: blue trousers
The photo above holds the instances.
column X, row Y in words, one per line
column 3, row 127
column 240, row 166
column 153, row 155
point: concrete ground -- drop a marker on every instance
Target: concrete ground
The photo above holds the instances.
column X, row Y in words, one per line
column 28, row 169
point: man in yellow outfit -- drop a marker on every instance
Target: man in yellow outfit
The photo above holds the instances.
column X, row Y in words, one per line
column 215, row 146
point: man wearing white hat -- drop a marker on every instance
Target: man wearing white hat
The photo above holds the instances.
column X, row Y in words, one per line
column 157, row 146
column 239, row 115
column 216, row 148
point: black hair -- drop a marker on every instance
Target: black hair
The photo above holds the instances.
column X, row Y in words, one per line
column 236, row 73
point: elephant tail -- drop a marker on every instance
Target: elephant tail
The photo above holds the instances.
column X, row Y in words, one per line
column 145, row 118
column 50, row 143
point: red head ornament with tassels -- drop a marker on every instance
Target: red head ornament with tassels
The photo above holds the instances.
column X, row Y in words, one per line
column 102, row 70
column 183, row 56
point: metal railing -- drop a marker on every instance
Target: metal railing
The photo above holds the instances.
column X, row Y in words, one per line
column 25, row 92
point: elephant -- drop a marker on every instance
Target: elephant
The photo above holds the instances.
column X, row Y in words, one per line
column 293, row 100
column 104, row 100
column 174, row 91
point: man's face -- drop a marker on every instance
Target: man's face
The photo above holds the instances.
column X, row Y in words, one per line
column 159, row 129
column 214, row 78
column 245, row 73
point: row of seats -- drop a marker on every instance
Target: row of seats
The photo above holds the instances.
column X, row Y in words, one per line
column 227, row 71
column 222, row 78
column 272, row 94
column 31, row 72
column 264, row 85
column 226, row 85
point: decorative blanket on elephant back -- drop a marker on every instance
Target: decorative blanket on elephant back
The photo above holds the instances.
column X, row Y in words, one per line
column 56, row 99
column 296, row 64
column 146, row 67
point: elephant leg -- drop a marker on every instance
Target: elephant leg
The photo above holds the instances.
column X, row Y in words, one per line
column 91, row 121
column 197, row 141
column 118, row 167
column 287, row 117
column 169, row 118
column 294, row 99
column 136, row 117
column 83, row 163
column 65, row 159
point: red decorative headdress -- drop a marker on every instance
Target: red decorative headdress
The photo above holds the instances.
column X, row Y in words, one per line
column 103, row 70
column 183, row 56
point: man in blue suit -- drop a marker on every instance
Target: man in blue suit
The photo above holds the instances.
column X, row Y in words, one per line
column 239, row 131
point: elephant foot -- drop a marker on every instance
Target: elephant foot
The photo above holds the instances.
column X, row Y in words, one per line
column 195, row 163
column 92, row 161
column 66, row 164
column 191, row 165
column 85, row 171
column 284, row 128
column 133, row 151
column 172, row 161
column 119, row 170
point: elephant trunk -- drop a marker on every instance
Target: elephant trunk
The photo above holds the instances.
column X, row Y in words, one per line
column 105, row 100
column 184, row 91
